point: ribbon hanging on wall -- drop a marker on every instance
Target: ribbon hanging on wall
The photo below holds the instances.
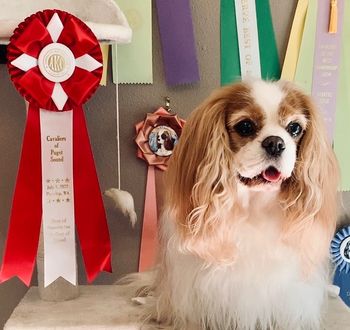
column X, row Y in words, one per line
column 244, row 24
column 303, row 71
column 340, row 252
column 248, row 40
column 333, row 58
column 178, row 42
column 326, row 63
column 230, row 66
column 270, row 64
column 55, row 62
column 318, row 60
column 294, row 42
column 104, row 51
column 341, row 144
column 156, row 137
column 134, row 62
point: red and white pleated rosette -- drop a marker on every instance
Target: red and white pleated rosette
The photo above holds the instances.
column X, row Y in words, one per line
column 55, row 62
column 156, row 138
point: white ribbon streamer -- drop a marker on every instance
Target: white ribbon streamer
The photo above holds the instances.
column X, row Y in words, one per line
column 57, row 195
column 248, row 40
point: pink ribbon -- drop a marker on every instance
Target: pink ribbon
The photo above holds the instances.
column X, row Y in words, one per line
column 149, row 237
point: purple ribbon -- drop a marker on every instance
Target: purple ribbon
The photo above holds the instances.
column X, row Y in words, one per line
column 326, row 64
column 178, row 44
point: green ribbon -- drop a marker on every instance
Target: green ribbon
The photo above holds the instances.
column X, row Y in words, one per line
column 134, row 62
column 341, row 142
column 269, row 61
column 270, row 64
column 230, row 67
column 304, row 69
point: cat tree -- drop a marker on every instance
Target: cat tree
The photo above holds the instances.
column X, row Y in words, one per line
column 109, row 24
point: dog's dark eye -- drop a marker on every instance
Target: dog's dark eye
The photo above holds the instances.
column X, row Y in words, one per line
column 294, row 129
column 245, row 128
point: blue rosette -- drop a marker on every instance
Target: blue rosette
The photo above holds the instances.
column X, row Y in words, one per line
column 340, row 254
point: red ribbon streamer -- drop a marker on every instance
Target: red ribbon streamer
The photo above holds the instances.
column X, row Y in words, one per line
column 149, row 241
column 25, row 220
column 23, row 235
column 90, row 217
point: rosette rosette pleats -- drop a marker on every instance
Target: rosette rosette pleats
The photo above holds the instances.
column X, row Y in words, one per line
column 156, row 138
column 55, row 62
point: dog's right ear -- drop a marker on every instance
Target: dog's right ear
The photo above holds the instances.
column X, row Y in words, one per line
column 200, row 184
column 310, row 196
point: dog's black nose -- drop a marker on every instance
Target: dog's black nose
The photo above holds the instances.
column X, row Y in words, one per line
column 274, row 145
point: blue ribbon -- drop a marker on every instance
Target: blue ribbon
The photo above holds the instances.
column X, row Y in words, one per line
column 340, row 253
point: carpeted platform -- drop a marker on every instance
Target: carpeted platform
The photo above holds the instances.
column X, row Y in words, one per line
column 109, row 307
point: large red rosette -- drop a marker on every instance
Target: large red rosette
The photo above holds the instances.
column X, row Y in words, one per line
column 28, row 41
column 55, row 62
column 156, row 137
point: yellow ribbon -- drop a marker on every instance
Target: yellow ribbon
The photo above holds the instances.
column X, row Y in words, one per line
column 296, row 34
column 104, row 50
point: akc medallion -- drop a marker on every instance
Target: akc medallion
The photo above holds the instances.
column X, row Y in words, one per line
column 56, row 62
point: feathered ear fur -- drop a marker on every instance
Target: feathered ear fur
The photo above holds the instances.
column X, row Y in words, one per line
column 201, row 187
column 309, row 197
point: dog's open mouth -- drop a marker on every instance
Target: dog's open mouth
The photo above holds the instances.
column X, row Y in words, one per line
column 270, row 175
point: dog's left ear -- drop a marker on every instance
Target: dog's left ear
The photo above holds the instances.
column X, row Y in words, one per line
column 310, row 195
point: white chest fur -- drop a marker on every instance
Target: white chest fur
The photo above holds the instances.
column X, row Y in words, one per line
column 265, row 284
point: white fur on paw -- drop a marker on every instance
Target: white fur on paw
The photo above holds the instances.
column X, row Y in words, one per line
column 333, row 291
column 139, row 300
column 143, row 300
column 124, row 202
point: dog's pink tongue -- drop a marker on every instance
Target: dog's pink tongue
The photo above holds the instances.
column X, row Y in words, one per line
column 271, row 174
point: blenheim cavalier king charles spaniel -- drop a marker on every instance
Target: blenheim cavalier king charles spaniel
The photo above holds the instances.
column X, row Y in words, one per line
column 250, row 210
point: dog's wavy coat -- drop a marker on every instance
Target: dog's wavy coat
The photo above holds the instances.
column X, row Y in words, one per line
column 249, row 213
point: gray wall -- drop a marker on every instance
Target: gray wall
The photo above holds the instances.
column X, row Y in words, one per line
column 135, row 101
